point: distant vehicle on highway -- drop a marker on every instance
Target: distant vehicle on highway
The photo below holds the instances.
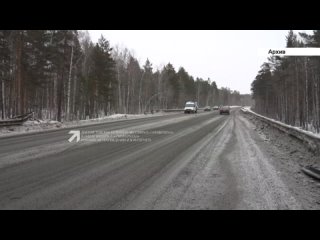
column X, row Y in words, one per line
column 215, row 108
column 224, row 110
column 207, row 108
column 191, row 107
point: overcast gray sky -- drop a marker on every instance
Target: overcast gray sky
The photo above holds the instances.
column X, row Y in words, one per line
column 228, row 57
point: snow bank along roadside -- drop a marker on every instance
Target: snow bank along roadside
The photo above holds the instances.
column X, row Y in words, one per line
column 310, row 139
column 50, row 125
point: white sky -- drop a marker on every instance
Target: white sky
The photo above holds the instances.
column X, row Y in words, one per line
column 228, row 57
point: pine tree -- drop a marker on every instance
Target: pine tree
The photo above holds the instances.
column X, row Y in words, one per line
column 4, row 67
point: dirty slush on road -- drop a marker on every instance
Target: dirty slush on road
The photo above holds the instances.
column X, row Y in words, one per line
column 289, row 155
column 254, row 166
column 236, row 167
column 211, row 161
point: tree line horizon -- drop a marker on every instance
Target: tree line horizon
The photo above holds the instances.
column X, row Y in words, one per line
column 62, row 75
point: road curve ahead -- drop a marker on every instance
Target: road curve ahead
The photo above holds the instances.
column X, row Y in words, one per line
column 192, row 161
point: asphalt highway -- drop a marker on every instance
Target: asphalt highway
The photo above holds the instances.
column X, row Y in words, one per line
column 190, row 161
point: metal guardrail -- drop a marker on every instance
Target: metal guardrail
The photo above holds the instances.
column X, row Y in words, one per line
column 172, row 110
column 17, row 120
column 177, row 110
column 311, row 171
column 312, row 141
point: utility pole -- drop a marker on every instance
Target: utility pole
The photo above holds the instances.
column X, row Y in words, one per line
column 3, row 97
column 69, row 82
column 198, row 91
column 140, row 89
column 306, row 95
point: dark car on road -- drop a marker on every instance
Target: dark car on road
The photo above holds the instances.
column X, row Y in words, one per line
column 224, row 110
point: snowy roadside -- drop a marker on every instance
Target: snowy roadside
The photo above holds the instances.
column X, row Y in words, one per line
column 287, row 155
column 310, row 139
column 50, row 125
column 309, row 133
column 270, row 133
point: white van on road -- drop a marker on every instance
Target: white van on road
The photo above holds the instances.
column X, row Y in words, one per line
column 191, row 107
